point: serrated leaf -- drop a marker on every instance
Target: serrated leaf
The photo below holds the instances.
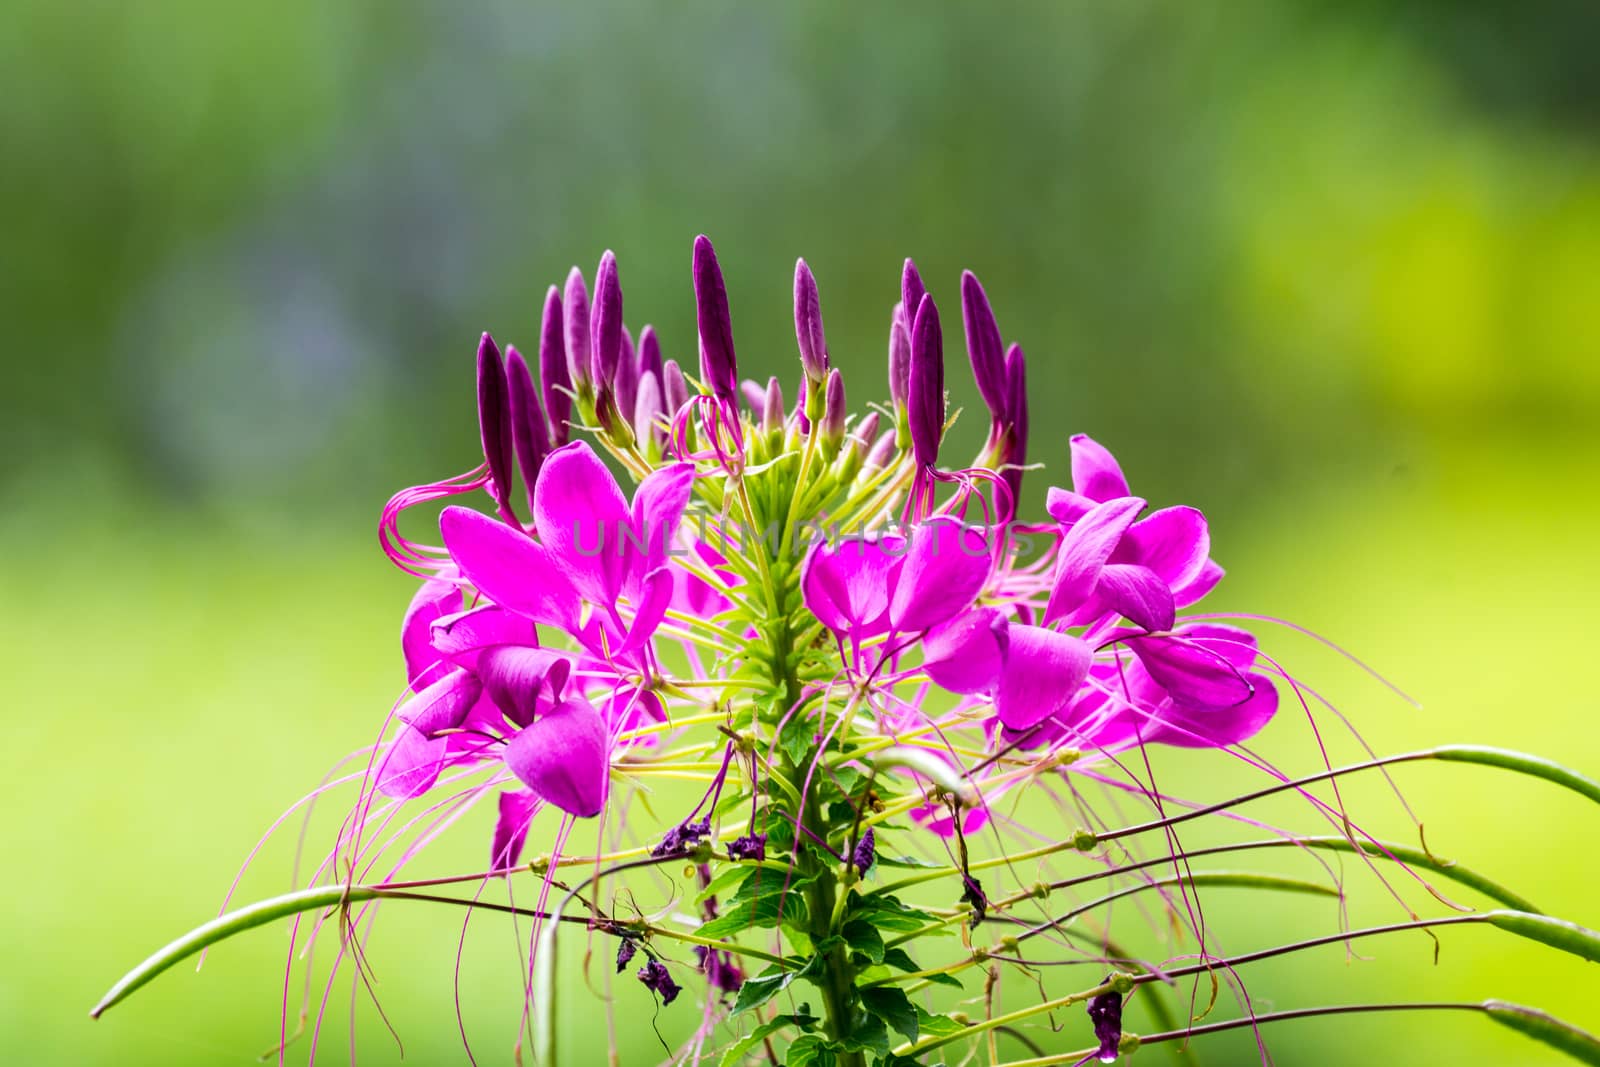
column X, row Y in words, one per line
column 726, row 879
column 796, row 737
column 762, row 988
column 889, row 913
column 891, row 1004
column 864, row 938
column 764, row 899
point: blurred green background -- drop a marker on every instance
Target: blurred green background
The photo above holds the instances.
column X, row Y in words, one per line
column 1329, row 270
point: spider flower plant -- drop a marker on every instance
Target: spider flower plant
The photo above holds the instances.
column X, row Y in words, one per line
column 799, row 696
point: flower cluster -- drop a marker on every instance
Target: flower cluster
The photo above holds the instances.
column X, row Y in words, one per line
column 831, row 676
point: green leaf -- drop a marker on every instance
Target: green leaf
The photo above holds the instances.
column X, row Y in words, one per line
column 869, row 1035
column 891, row 1004
column 898, row 958
column 810, row 1050
column 762, row 988
column 911, row 862
column 864, row 938
column 796, row 737
column 888, row 913
column 763, row 899
column 761, row 1033
column 726, row 879
column 938, row 1025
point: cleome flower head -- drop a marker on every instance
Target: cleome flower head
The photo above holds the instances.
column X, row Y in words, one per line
column 843, row 684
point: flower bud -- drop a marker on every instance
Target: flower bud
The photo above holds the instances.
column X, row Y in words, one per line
column 494, row 423
column 625, row 382
column 755, row 397
column 529, row 433
column 553, row 377
column 649, row 352
column 674, row 388
column 899, row 358
column 984, row 347
column 575, row 319
column 772, row 411
column 911, row 292
column 719, row 367
column 833, row 411
column 647, row 410
column 605, row 322
column 866, row 431
column 1016, row 418
column 808, row 324
column 925, row 400
column 882, row 451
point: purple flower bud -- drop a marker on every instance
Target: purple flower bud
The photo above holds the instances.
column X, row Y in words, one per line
column 1016, row 416
column 911, row 292
column 833, row 409
column 575, row 319
column 674, row 388
column 748, row 847
column 755, row 397
column 605, row 322
column 625, row 383
column 625, row 953
column 494, row 423
column 802, row 397
column 529, row 433
column 866, row 853
column 899, row 358
column 647, row 408
column 1105, row 1011
column 808, row 324
column 866, row 430
column 718, row 365
column 553, row 377
column 925, row 398
column 649, row 351
column 882, row 451
column 984, row 347
column 772, row 410
column 655, row 977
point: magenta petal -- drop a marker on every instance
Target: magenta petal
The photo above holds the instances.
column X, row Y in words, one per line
column 1041, row 673
column 1191, row 727
column 513, row 676
column 462, row 636
column 963, row 655
column 946, row 565
column 442, row 705
column 1095, row 473
column 658, row 506
column 1067, row 507
column 508, row 566
column 411, row 765
column 1137, row 594
column 436, row 599
column 583, row 520
column 517, row 810
column 1191, row 672
column 1173, row 542
column 562, row 757
column 1210, row 574
column 654, row 598
column 846, row 583
column 1084, row 550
